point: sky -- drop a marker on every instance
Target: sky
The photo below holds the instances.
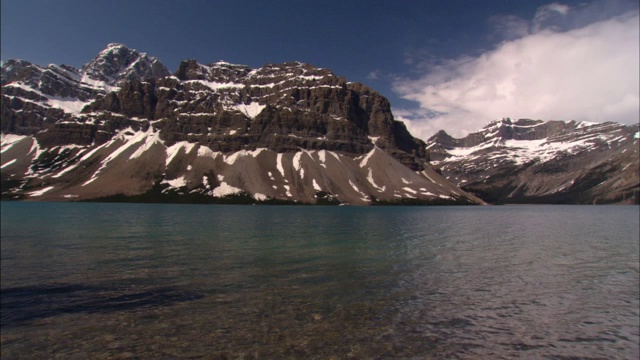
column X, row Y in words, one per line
column 451, row 65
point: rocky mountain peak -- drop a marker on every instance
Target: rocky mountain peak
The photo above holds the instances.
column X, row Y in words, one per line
column 118, row 63
column 442, row 138
column 14, row 70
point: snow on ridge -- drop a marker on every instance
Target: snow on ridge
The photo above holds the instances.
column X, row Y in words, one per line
column 129, row 141
column 364, row 161
column 173, row 150
column 231, row 159
column 335, row 156
column 205, row 151
column 216, row 85
column 151, row 139
column 36, row 149
column 220, row 63
column 583, row 124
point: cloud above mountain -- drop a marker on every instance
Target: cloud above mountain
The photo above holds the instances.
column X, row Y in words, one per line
column 564, row 63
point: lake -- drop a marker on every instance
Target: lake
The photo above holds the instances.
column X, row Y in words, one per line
column 161, row 281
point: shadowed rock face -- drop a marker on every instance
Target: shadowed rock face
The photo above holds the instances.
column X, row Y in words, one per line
column 81, row 124
column 534, row 161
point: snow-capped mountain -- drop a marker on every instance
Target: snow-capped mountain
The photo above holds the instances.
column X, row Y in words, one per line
column 35, row 96
column 117, row 63
column 122, row 126
column 534, row 161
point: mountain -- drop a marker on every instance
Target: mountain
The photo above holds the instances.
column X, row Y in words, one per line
column 123, row 128
column 535, row 161
column 117, row 64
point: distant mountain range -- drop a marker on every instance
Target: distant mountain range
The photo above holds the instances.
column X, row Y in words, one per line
column 534, row 161
column 123, row 128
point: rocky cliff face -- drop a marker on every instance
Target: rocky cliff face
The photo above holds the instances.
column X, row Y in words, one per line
column 123, row 125
column 534, row 161
column 279, row 106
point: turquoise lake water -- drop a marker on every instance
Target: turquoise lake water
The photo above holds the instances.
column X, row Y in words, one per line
column 141, row 281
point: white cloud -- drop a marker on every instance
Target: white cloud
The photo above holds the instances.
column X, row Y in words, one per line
column 588, row 73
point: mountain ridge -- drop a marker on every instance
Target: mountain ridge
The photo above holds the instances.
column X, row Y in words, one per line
column 112, row 126
column 535, row 161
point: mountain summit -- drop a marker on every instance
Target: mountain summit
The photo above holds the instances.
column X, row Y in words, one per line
column 122, row 127
column 117, row 63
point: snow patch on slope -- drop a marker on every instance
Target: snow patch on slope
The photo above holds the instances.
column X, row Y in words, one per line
column 316, row 187
column 225, row 189
column 297, row 165
column 364, row 161
column 176, row 183
column 40, row 192
column 251, row 110
column 69, row 105
column 150, row 139
column 8, row 140
column 8, row 163
column 372, row 182
column 231, row 159
column 279, row 164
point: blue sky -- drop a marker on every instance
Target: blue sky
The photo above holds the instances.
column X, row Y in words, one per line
column 420, row 54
